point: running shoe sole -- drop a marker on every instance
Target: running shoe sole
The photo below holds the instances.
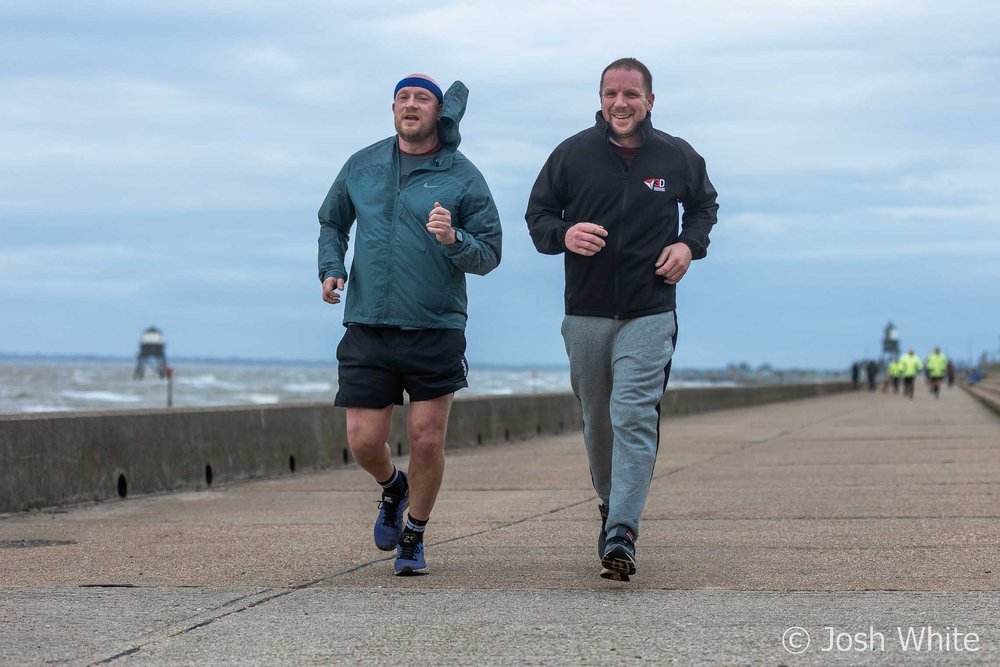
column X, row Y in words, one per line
column 613, row 576
column 618, row 561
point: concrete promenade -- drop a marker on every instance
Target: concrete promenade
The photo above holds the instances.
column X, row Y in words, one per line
column 867, row 513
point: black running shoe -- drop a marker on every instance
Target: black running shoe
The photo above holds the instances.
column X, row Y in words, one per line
column 619, row 558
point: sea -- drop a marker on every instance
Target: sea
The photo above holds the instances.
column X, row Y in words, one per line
column 56, row 385
column 32, row 385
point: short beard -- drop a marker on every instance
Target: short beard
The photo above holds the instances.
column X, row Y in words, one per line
column 416, row 136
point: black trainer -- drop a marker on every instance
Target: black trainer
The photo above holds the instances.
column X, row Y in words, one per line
column 619, row 558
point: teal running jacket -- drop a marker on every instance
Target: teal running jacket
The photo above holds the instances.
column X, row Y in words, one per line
column 401, row 275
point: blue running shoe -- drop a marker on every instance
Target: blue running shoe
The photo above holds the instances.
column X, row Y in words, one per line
column 602, row 537
column 389, row 524
column 618, row 561
column 410, row 555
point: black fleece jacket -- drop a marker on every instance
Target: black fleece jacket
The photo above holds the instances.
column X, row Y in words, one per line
column 585, row 181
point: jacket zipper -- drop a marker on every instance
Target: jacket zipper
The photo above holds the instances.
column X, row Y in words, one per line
column 392, row 231
column 392, row 241
column 618, row 246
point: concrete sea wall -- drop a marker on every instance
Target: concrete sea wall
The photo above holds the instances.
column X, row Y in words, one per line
column 64, row 458
column 987, row 389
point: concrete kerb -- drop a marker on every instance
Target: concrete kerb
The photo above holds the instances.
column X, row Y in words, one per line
column 66, row 458
column 987, row 390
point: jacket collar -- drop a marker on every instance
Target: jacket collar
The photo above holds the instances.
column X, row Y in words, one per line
column 645, row 126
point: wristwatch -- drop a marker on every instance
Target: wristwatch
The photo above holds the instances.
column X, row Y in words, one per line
column 459, row 236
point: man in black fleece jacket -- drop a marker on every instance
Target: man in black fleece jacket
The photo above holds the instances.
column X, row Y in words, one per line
column 607, row 198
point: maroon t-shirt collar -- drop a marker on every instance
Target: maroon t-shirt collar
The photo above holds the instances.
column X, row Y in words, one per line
column 430, row 152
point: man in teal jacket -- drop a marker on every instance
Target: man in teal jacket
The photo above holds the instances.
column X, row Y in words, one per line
column 425, row 217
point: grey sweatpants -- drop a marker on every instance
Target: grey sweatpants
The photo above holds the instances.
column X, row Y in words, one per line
column 618, row 370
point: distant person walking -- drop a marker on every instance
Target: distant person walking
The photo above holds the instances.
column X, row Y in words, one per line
column 937, row 366
column 895, row 371
column 607, row 200
column 951, row 373
column 425, row 218
column 856, row 375
column 871, row 372
column 909, row 367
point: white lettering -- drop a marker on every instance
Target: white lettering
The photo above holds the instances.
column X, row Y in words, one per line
column 859, row 642
column 929, row 639
column 910, row 641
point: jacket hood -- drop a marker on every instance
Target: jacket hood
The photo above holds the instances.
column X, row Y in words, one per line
column 452, row 110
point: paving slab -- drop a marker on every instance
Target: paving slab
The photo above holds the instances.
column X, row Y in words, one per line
column 861, row 519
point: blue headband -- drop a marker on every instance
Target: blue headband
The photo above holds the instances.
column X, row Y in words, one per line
column 420, row 83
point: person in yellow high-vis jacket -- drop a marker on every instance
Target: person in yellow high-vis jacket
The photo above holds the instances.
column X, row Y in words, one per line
column 910, row 366
column 895, row 374
column 937, row 365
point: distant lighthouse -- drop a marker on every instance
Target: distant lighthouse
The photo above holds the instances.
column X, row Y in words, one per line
column 890, row 344
column 152, row 351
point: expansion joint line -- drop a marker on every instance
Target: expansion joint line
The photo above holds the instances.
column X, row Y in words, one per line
column 224, row 610
column 361, row 566
column 742, row 447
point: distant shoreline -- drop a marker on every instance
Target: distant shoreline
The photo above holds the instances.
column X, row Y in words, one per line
column 694, row 373
column 234, row 361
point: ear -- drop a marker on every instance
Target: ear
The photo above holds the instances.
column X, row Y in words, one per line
column 649, row 101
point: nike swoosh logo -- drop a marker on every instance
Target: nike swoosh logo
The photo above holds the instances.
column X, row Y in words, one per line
column 428, row 185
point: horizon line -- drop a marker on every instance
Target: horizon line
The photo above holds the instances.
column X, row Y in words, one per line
column 273, row 361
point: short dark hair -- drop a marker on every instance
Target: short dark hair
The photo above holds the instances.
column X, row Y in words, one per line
column 631, row 64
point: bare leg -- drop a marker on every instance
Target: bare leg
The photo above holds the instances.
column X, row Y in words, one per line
column 367, row 432
column 427, row 426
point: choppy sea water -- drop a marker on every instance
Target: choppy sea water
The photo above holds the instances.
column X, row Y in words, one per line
column 66, row 385
column 50, row 386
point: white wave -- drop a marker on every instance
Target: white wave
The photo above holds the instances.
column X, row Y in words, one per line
column 208, row 381
column 308, row 387
column 44, row 408
column 681, row 384
column 79, row 377
column 261, row 399
column 106, row 396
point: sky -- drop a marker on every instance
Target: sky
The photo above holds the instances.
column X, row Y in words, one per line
column 162, row 163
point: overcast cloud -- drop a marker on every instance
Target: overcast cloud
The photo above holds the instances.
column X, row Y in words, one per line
column 163, row 163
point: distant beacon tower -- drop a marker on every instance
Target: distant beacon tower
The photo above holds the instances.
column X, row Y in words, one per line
column 890, row 344
column 151, row 352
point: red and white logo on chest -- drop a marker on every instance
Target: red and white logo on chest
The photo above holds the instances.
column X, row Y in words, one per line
column 656, row 184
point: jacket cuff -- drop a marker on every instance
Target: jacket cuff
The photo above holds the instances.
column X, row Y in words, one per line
column 697, row 252
column 562, row 234
column 333, row 273
column 458, row 246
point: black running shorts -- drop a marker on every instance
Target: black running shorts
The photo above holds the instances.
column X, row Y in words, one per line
column 378, row 363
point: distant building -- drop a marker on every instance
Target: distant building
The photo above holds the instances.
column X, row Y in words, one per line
column 890, row 344
column 152, row 353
